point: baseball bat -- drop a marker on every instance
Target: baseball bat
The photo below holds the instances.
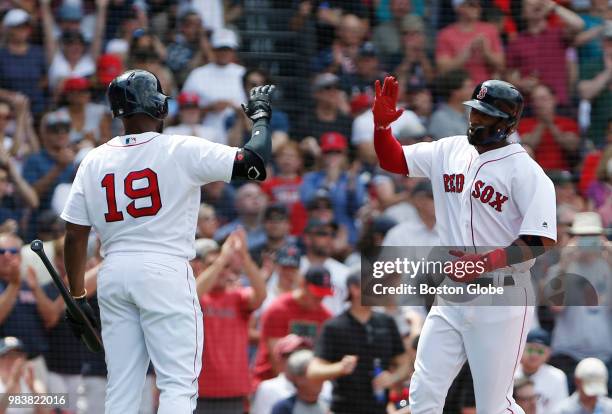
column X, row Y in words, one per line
column 90, row 335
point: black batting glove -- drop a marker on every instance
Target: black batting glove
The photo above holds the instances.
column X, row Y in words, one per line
column 259, row 103
column 76, row 326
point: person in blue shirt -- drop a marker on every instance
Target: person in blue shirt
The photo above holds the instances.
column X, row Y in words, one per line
column 52, row 165
column 346, row 189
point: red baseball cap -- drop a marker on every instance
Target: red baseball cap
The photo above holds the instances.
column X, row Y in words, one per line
column 333, row 141
column 188, row 99
column 109, row 67
column 289, row 344
column 75, row 85
column 318, row 281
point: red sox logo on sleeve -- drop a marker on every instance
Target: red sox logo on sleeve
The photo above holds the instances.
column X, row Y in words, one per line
column 482, row 92
column 485, row 195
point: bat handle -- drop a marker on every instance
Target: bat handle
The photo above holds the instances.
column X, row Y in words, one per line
column 36, row 246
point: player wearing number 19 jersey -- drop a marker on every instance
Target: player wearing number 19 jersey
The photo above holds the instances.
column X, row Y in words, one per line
column 141, row 194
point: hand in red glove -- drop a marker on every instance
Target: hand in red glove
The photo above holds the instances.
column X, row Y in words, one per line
column 469, row 266
column 385, row 103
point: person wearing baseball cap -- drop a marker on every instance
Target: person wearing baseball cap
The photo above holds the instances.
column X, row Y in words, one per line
column 591, row 379
column 549, row 382
column 190, row 119
column 299, row 311
column 350, row 364
column 278, row 388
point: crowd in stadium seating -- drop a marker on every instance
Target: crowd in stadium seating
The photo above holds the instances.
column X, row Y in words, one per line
column 278, row 263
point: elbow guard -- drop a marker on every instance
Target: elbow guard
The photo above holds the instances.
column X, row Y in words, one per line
column 248, row 166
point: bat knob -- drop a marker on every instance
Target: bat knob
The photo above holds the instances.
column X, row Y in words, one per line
column 36, row 246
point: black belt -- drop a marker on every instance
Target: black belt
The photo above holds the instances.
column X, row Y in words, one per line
column 488, row 281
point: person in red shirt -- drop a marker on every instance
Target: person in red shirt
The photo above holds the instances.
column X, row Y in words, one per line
column 224, row 380
column 284, row 186
column 554, row 138
column 299, row 312
column 470, row 44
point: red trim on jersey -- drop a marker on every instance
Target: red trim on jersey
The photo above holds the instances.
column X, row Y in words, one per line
column 518, row 353
column 195, row 319
column 132, row 145
column 389, row 152
column 471, row 198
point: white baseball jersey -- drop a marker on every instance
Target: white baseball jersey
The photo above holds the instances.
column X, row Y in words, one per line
column 487, row 199
column 141, row 193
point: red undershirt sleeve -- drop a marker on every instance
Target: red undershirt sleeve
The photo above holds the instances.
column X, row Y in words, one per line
column 390, row 152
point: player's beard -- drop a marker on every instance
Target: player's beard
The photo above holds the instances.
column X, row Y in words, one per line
column 476, row 135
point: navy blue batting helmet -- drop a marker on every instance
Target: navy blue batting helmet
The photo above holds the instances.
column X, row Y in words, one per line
column 137, row 91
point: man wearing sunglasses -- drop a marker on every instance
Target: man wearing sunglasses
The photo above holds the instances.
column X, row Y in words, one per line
column 550, row 383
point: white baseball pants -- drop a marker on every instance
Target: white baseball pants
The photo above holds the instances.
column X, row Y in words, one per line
column 150, row 311
column 490, row 338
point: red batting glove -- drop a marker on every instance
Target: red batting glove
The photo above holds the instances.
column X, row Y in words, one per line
column 385, row 103
column 469, row 266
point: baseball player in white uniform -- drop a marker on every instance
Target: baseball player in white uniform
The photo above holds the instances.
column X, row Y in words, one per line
column 141, row 194
column 487, row 192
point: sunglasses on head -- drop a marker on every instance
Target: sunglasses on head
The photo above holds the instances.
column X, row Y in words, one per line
column 11, row 250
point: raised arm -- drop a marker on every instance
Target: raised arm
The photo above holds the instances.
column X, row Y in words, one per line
column 50, row 42
column 250, row 162
column 98, row 37
column 388, row 149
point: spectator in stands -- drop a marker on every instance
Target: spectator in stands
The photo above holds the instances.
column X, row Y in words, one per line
column 321, row 208
column 594, row 87
column 525, row 395
column 318, row 241
column 450, row 118
column 17, row 377
column 330, row 110
column 270, row 391
column 71, row 57
column 539, row 53
column 350, row 348
column 299, row 312
column 286, row 275
column 554, row 138
column 367, row 71
column 306, row 396
column 565, row 190
column 470, row 44
column 600, row 191
column 549, row 383
column 340, row 57
column 222, row 197
column 23, row 139
column 14, row 200
column 422, row 227
column 190, row 47
column 108, row 67
column 224, row 384
column 208, row 223
column 284, row 184
column 419, row 100
column 387, row 36
column 279, row 123
column 219, row 83
column 203, row 246
column 585, row 311
column 589, row 42
column 190, row 120
column 346, row 188
column 24, row 308
column 591, row 390
column 250, row 205
column 276, row 228
column 147, row 52
column 53, row 164
column 90, row 122
column 23, row 68
column 413, row 65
